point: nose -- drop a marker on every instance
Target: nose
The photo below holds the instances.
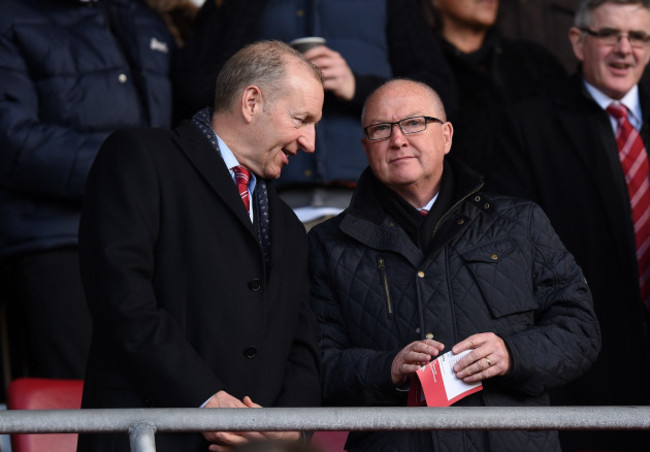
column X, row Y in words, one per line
column 397, row 137
column 623, row 44
column 307, row 139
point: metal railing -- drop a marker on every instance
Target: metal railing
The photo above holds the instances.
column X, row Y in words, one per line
column 142, row 424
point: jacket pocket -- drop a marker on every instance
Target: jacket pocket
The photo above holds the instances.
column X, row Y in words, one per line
column 503, row 275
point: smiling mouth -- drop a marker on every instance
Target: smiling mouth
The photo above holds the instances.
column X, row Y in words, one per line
column 620, row 65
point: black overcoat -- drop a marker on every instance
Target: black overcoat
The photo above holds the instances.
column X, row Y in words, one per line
column 182, row 301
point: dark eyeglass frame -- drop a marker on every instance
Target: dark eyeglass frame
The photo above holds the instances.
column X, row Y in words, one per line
column 638, row 39
column 427, row 119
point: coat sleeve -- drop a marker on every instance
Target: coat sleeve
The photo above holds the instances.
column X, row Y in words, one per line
column 351, row 376
column 36, row 155
column 565, row 339
column 118, row 237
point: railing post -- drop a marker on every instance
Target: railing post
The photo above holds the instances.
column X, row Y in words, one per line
column 142, row 437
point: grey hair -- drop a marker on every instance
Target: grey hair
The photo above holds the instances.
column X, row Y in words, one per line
column 262, row 63
column 582, row 18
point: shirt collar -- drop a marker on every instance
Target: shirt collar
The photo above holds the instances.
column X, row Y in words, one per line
column 630, row 100
column 230, row 161
column 428, row 205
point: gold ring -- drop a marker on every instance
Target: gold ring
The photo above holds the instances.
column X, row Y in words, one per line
column 488, row 361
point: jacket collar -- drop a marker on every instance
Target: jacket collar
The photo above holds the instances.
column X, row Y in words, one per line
column 209, row 164
column 367, row 221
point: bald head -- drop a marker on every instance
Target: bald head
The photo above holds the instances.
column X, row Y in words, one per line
column 398, row 87
column 409, row 158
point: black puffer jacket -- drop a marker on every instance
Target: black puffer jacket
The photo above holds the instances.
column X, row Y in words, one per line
column 496, row 265
column 71, row 72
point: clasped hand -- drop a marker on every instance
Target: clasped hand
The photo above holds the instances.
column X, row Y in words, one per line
column 224, row 441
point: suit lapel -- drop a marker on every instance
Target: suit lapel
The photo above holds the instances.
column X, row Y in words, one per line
column 593, row 140
column 211, row 167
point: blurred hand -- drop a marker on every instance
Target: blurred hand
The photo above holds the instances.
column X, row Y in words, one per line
column 224, row 441
column 278, row 436
column 338, row 76
column 412, row 357
column 489, row 358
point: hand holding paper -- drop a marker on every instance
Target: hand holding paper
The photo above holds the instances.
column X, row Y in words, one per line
column 412, row 357
column 437, row 384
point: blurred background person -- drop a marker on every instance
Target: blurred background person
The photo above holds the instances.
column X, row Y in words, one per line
column 71, row 71
column 367, row 42
column 570, row 154
column 490, row 72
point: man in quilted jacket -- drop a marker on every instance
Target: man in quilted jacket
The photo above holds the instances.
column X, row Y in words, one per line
column 424, row 262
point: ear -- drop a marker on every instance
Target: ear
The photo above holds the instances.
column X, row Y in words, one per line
column 447, row 134
column 577, row 41
column 364, row 145
column 251, row 102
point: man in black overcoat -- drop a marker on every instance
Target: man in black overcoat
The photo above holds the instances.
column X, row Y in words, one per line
column 197, row 299
column 562, row 153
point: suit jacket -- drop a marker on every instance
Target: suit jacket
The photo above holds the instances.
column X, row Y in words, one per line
column 182, row 301
column 562, row 154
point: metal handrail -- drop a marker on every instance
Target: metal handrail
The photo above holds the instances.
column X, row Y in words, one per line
column 142, row 424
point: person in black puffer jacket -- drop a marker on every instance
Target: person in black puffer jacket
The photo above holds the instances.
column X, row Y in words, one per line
column 71, row 72
column 478, row 272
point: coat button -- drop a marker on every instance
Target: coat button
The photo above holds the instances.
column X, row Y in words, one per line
column 255, row 285
column 494, row 256
column 461, row 220
column 122, row 78
column 250, row 352
column 420, row 274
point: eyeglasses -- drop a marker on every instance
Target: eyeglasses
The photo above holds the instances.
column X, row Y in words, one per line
column 611, row 37
column 408, row 126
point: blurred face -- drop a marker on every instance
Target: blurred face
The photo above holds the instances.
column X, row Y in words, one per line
column 613, row 68
column 287, row 125
column 412, row 162
column 468, row 13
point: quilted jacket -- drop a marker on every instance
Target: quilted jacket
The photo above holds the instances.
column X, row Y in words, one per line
column 497, row 266
column 71, row 72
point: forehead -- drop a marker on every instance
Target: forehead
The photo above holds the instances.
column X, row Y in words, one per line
column 303, row 90
column 399, row 100
column 621, row 17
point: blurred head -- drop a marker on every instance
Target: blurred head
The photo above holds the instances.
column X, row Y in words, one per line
column 609, row 38
column 278, row 96
column 467, row 14
column 408, row 163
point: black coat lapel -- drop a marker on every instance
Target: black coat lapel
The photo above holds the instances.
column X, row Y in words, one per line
column 212, row 169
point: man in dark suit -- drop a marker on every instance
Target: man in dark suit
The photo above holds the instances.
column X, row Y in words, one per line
column 197, row 298
column 563, row 153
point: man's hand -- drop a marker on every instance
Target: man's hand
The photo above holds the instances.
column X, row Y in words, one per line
column 489, row 358
column 338, row 76
column 278, row 436
column 224, row 441
column 412, row 357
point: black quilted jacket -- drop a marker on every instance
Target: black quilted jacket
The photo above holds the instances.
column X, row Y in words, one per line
column 499, row 267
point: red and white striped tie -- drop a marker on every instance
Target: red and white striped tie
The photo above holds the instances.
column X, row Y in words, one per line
column 242, row 176
column 634, row 160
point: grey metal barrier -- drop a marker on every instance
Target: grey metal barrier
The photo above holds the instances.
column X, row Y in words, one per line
column 142, row 424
